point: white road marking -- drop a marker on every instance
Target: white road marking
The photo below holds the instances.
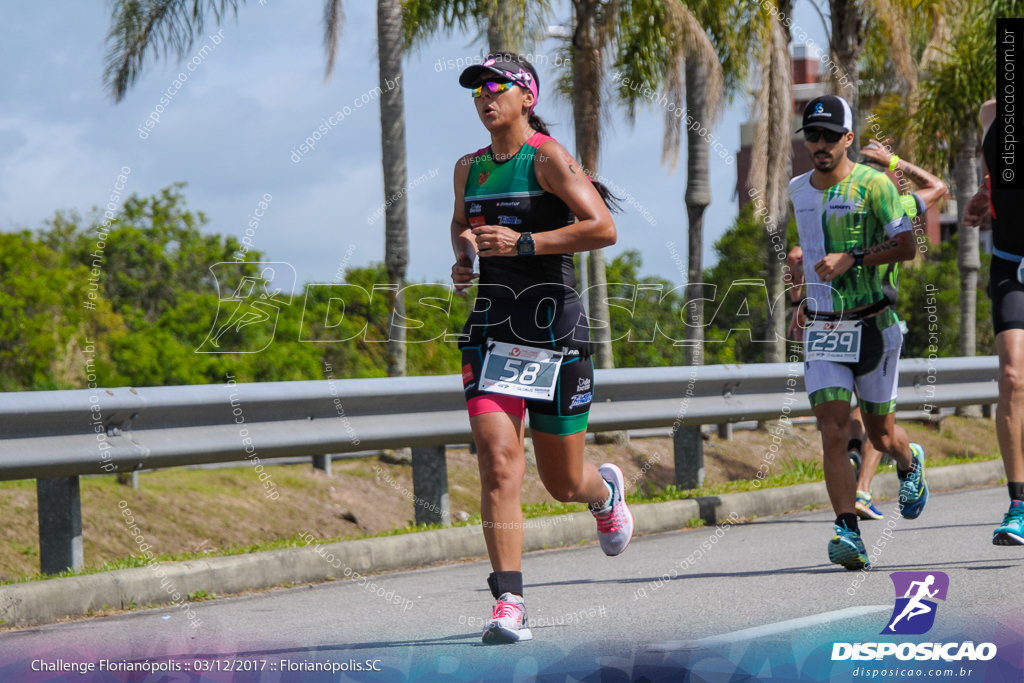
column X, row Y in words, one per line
column 768, row 629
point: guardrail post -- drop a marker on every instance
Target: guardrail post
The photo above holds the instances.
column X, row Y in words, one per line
column 725, row 431
column 60, row 524
column 323, row 462
column 129, row 479
column 688, row 444
column 430, row 485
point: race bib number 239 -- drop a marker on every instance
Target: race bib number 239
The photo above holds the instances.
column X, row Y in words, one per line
column 836, row 341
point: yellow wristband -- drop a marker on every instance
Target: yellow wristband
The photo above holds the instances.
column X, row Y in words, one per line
column 893, row 162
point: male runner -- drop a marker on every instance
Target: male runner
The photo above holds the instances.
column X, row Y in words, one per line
column 929, row 190
column 851, row 221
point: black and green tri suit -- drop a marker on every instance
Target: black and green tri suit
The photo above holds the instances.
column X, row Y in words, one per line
column 529, row 300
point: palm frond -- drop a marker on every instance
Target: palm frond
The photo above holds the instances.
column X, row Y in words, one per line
column 511, row 24
column 422, row 19
column 771, row 106
column 959, row 78
column 142, row 27
column 895, row 23
column 656, row 38
column 334, row 19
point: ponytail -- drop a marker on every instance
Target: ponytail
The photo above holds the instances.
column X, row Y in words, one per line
column 610, row 200
column 537, row 123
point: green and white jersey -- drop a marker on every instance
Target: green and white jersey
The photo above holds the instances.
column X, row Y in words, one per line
column 862, row 210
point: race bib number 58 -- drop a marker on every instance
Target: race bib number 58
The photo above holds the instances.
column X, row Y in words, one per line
column 523, row 371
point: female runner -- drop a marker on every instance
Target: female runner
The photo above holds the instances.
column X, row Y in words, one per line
column 524, row 206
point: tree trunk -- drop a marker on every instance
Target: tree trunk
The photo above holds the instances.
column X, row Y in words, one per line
column 780, row 169
column 588, row 74
column 698, row 197
column 392, row 125
column 965, row 178
column 598, row 301
column 965, row 174
column 848, row 37
column 504, row 27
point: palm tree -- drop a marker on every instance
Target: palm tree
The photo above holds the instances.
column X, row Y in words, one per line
column 772, row 159
column 140, row 28
column 951, row 95
column 955, row 75
column 505, row 23
column 594, row 24
column 846, row 43
column 392, row 129
column 699, row 54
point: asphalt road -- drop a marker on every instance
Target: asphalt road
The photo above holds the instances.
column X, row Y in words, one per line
column 756, row 601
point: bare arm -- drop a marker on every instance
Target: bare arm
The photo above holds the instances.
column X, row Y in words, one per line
column 795, row 261
column 559, row 174
column 930, row 188
column 899, row 248
column 977, row 210
column 463, row 240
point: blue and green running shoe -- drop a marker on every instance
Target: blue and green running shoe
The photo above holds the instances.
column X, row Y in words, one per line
column 913, row 489
column 865, row 508
column 847, row 548
column 1011, row 531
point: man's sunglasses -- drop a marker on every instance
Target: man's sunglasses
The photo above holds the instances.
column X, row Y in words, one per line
column 492, row 86
column 814, row 134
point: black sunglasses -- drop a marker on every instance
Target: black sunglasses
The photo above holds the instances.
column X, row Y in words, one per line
column 814, row 134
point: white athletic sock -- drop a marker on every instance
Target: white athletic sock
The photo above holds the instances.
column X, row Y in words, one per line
column 607, row 505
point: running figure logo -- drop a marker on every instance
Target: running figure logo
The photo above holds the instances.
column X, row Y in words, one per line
column 914, row 613
column 247, row 317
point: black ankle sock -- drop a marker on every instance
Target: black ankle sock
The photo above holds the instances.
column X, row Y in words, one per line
column 1016, row 489
column 849, row 520
column 907, row 472
column 854, row 445
column 505, row 582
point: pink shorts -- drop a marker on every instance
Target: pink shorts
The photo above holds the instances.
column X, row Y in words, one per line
column 497, row 403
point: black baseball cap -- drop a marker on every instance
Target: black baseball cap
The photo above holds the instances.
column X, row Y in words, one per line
column 829, row 112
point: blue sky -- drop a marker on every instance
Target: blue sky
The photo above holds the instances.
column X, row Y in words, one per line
column 230, row 130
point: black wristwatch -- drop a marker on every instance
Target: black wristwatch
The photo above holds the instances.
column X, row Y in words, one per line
column 524, row 245
column 858, row 254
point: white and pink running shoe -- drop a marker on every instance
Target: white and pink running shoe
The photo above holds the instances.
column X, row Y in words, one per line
column 615, row 522
column 509, row 623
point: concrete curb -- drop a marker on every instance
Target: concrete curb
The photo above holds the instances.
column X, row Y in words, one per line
column 40, row 602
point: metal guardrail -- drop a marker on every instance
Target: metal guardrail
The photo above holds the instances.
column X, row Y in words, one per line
column 58, row 436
